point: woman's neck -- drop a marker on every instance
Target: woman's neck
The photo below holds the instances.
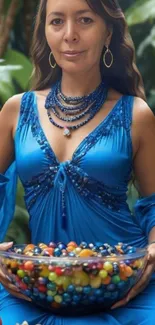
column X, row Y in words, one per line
column 79, row 85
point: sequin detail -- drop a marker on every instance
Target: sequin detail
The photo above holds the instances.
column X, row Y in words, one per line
column 85, row 185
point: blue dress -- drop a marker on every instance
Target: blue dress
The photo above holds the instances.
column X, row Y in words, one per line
column 80, row 199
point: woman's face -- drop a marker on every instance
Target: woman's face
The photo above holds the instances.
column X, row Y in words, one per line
column 75, row 34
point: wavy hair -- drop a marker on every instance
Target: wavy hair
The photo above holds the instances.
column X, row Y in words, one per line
column 123, row 75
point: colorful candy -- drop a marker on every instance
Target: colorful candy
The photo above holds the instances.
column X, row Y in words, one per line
column 58, row 276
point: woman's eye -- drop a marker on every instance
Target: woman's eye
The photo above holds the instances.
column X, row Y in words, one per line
column 56, row 21
column 86, row 20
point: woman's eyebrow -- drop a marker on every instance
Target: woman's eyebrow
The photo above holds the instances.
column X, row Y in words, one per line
column 79, row 12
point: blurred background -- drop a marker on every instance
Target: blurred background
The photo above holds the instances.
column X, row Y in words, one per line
column 16, row 27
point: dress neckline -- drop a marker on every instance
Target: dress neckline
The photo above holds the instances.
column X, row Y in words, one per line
column 83, row 142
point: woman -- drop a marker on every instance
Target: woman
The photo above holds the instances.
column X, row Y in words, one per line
column 88, row 97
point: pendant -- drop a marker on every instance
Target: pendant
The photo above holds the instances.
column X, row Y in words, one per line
column 66, row 132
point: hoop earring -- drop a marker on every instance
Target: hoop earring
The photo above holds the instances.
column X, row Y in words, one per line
column 52, row 66
column 104, row 57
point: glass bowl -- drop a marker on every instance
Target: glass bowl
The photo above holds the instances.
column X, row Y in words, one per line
column 70, row 285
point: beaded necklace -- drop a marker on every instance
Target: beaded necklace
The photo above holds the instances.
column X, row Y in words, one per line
column 71, row 109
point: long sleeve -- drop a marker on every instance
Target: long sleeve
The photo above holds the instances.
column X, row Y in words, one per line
column 145, row 213
column 8, row 185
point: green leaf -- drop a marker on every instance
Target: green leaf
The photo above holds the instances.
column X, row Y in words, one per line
column 22, row 75
column 149, row 40
column 7, row 88
column 141, row 11
column 6, row 91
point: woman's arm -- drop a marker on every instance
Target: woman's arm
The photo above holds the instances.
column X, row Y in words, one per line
column 144, row 161
column 143, row 134
column 8, row 120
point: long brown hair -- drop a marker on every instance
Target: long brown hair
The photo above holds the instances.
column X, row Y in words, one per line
column 123, row 76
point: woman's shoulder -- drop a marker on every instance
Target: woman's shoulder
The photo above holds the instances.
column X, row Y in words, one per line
column 12, row 105
column 142, row 113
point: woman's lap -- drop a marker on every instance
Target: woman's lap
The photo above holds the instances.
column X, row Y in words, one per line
column 140, row 311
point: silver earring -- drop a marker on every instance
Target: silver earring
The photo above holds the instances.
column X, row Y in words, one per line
column 50, row 57
column 108, row 52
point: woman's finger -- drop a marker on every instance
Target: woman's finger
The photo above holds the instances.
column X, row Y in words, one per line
column 19, row 295
column 120, row 303
column 138, row 288
column 9, row 286
column 5, row 246
column 151, row 253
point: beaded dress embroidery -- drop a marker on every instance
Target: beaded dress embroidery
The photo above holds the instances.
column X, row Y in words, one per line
column 56, row 173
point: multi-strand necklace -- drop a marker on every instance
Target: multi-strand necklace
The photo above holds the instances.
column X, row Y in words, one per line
column 72, row 109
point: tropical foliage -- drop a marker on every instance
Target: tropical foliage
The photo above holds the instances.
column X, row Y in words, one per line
column 16, row 26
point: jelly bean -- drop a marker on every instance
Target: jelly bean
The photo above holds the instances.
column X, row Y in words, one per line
column 59, row 271
column 50, row 299
column 52, row 245
column 66, row 297
column 52, row 276
column 83, row 245
column 128, row 271
column 44, row 271
column 107, row 280
column 72, row 243
column 57, row 252
column 28, row 266
column 21, row 273
column 58, row 299
column 86, row 253
column 96, row 282
column 42, row 288
column 103, row 274
column 42, row 280
column 29, row 247
column 115, row 279
column 71, row 288
column 111, row 287
column 108, row 266
column 87, row 289
column 51, row 286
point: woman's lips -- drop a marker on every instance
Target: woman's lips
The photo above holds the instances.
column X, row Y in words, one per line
column 72, row 54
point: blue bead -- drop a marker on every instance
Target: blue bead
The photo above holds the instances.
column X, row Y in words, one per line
column 111, row 287
column 71, row 288
column 66, row 297
column 37, row 251
column 121, row 285
column 51, row 286
column 26, row 279
column 87, row 290
column 92, row 299
column 57, row 252
column 49, row 298
column 100, row 300
column 42, row 295
column 104, row 252
column 27, row 293
column 61, row 246
column 35, row 291
column 76, row 298
column 98, row 292
column 83, row 245
column 71, row 254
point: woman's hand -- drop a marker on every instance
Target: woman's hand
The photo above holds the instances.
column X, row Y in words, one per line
column 144, row 281
column 4, row 279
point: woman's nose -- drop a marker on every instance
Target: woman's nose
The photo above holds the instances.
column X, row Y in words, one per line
column 71, row 34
